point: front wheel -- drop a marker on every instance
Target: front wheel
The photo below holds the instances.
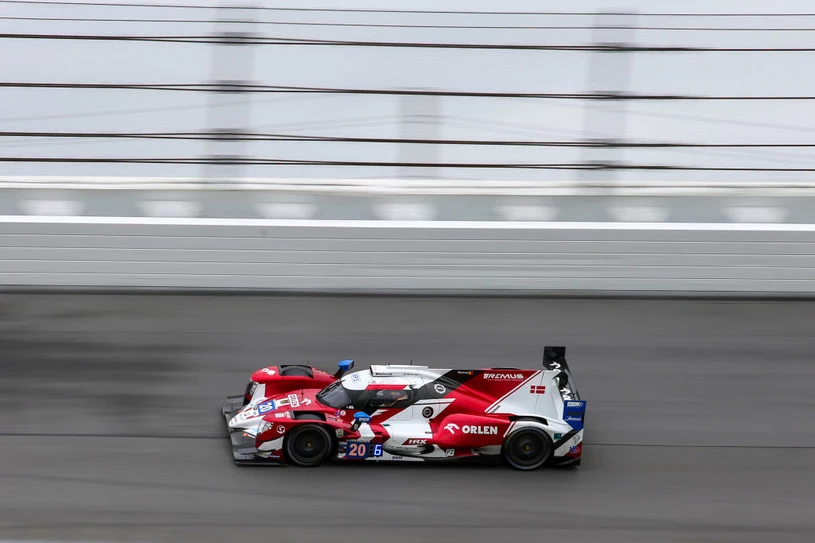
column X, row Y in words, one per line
column 308, row 445
column 527, row 449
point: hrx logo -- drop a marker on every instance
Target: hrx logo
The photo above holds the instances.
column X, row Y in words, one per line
column 416, row 441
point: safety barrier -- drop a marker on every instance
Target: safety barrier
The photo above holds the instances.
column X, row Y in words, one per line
column 411, row 199
column 411, row 256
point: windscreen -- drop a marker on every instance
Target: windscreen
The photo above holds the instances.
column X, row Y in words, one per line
column 336, row 395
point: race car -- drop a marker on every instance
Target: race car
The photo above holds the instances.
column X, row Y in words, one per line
column 304, row 416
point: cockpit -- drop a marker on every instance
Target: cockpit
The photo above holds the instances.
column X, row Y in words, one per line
column 337, row 396
column 359, row 391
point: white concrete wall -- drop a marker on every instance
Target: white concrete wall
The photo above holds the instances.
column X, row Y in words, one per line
column 414, row 256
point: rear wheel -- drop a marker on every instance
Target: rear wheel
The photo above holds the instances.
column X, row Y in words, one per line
column 308, row 445
column 527, row 449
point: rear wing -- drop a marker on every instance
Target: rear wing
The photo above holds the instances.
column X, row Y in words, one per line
column 554, row 359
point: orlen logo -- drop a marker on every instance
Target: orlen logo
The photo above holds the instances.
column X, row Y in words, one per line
column 482, row 430
column 504, row 376
column 472, row 429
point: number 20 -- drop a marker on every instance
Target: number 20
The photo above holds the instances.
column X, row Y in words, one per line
column 358, row 450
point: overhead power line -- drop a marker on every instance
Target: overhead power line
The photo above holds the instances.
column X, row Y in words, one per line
column 448, row 118
column 248, row 136
column 393, row 11
column 228, row 87
column 397, row 44
column 465, row 165
column 403, row 25
column 291, row 162
column 186, row 107
column 249, row 88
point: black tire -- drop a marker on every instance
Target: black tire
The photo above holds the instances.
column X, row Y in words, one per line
column 527, row 449
column 308, row 445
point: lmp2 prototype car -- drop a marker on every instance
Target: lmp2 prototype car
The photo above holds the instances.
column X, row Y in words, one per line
column 305, row 416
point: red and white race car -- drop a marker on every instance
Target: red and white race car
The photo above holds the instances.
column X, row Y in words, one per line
column 305, row 416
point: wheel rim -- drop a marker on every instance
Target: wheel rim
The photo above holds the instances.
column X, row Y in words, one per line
column 309, row 445
column 527, row 449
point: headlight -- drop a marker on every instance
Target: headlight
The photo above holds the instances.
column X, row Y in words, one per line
column 263, row 426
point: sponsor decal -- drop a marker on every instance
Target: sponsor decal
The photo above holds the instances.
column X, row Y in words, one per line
column 537, row 389
column 573, row 413
column 416, row 441
column 281, row 429
column 265, row 407
column 452, row 427
column 450, row 452
column 269, row 371
column 306, row 401
column 480, row 430
column 293, row 401
column 427, row 412
column 465, row 372
column 439, row 388
column 394, row 457
column 504, row 376
column 558, row 435
column 342, row 412
column 355, row 377
column 362, row 449
column 339, row 432
column 283, row 415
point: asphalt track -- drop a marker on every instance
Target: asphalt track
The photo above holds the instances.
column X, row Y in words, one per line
column 700, row 420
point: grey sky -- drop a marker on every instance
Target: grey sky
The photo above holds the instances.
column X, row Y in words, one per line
column 474, row 118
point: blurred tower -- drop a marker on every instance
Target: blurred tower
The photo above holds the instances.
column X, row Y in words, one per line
column 419, row 120
column 609, row 76
column 229, row 110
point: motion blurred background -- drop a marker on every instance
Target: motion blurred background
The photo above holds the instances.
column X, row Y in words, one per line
column 190, row 190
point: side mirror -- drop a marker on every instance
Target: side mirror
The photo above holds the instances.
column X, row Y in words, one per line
column 359, row 418
column 344, row 366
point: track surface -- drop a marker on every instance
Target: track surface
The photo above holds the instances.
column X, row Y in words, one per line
column 699, row 422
